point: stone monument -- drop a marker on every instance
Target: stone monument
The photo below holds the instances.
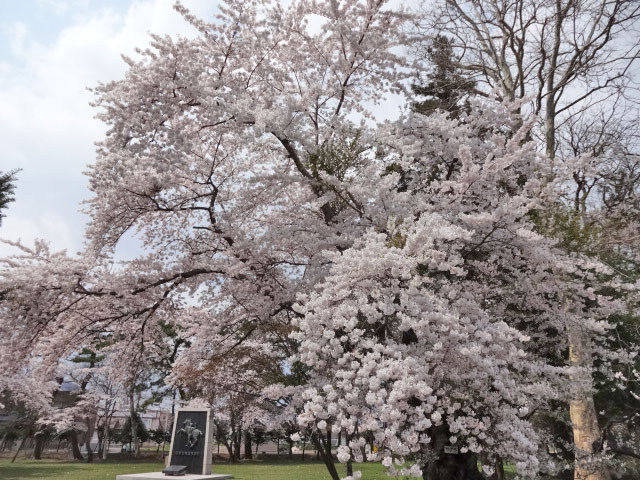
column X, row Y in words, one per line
column 191, row 447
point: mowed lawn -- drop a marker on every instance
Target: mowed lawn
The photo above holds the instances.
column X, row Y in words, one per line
column 255, row 470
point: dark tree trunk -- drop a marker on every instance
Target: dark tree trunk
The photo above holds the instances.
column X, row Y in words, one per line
column 450, row 466
column 248, row 454
column 229, row 447
column 39, row 447
column 89, row 453
column 237, row 445
column 324, row 450
column 453, row 467
column 75, row 449
column 100, row 444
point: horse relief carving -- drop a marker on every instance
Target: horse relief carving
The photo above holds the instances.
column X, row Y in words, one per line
column 191, row 431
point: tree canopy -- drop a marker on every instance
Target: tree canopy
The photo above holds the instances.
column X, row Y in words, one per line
column 308, row 268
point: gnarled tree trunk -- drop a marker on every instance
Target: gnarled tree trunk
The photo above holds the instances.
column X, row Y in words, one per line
column 450, row 466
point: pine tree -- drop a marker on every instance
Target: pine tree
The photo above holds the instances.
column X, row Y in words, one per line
column 7, row 188
column 446, row 88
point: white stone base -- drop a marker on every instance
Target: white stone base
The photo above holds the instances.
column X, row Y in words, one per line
column 157, row 475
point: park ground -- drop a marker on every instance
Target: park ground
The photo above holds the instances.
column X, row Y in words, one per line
column 247, row 470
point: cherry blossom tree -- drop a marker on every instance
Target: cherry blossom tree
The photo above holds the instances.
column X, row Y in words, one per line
column 389, row 281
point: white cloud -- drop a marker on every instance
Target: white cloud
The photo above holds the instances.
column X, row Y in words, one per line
column 46, row 124
column 16, row 35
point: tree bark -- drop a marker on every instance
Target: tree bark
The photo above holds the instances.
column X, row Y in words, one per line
column 134, row 426
column 73, row 442
column 324, row 451
column 248, row 454
column 88, row 437
column 39, row 447
column 237, row 443
column 89, row 453
column 584, row 420
column 449, row 466
column 105, row 440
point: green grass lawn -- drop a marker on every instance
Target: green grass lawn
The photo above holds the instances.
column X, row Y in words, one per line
column 255, row 470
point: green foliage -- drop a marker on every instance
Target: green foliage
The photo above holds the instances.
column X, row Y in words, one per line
column 616, row 400
column 123, row 435
column 569, row 227
column 21, row 421
column 336, row 157
column 7, row 188
column 446, row 88
column 158, row 435
column 87, row 355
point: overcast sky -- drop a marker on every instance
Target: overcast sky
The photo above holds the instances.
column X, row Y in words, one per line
column 50, row 51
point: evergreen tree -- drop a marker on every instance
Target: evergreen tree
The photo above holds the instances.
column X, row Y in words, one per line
column 7, row 188
column 446, row 87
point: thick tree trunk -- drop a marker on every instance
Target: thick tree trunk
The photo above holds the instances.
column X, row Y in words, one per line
column 230, row 449
column 248, row 454
column 450, row 466
column 462, row 466
column 39, row 447
column 75, row 449
column 584, row 420
column 237, row 445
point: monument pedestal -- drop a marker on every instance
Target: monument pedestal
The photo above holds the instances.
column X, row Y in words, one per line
column 157, row 475
column 191, row 448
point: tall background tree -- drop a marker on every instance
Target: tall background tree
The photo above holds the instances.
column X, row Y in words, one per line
column 7, row 188
column 574, row 64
